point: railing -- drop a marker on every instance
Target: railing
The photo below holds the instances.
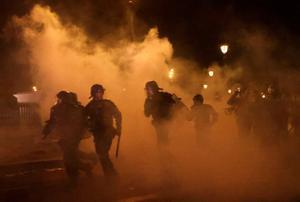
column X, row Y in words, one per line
column 25, row 114
column 29, row 114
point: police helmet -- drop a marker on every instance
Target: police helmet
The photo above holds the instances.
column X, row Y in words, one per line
column 198, row 98
column 62, row 94
column 152, row 85
column 96, row 88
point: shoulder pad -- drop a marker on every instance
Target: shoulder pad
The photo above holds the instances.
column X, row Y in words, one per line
column 166, row 94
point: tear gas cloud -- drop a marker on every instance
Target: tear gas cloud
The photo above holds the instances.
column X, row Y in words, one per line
column 62, row 58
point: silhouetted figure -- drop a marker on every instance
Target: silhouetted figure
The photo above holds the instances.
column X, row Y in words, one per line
column 204, row 117
column 241, row 106
column 160, row 106
column 68, row 120
column 101, row 113
column 278, row 112
column 257, row 114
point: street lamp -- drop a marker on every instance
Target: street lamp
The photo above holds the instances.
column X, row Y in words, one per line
column 205, row 86
column 224, row 48
column 211, row 73
column 34, row 88
column 171, row 73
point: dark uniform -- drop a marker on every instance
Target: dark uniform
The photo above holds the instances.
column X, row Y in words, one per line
column 68, row 119
column 278, row 112
column 180, row 111
column 159, row 105
column 204, row 116
column 100, row 113
column 242, row 108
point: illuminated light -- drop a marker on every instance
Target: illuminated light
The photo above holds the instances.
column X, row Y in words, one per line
column 263, row 95
column 211, row 73
column 171, row 73
column 224, row 48
column 205, row 86
column 229, row 91
column 34, row 88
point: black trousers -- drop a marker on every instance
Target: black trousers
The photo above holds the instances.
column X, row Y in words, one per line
column 103, row 141
column 70, row 157
column 162, row 130
column 73, row 159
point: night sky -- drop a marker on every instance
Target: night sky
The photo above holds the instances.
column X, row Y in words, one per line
column 194, row 27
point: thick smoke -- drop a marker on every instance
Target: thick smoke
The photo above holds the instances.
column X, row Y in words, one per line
column 62, row 57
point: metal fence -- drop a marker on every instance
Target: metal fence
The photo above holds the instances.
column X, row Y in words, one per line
column 29, row 114
column 25, row 114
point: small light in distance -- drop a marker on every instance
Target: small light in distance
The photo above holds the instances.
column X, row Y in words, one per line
column 224, row 48
column 205, row 86
column 34, row 88
column 171, row 73
column 229, row 91
column 211, row 73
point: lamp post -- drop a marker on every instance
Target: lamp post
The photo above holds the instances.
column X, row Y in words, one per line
column 224, row 48
column 131, row 18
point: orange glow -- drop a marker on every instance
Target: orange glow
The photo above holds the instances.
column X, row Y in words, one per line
column 34, row 88
column 171, row 73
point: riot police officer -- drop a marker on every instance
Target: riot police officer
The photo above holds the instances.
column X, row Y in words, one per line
column 101, row 114
column 68, row 119
column 160, row 106
column 241, row 106
column 203, row 116
column 277, row 111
